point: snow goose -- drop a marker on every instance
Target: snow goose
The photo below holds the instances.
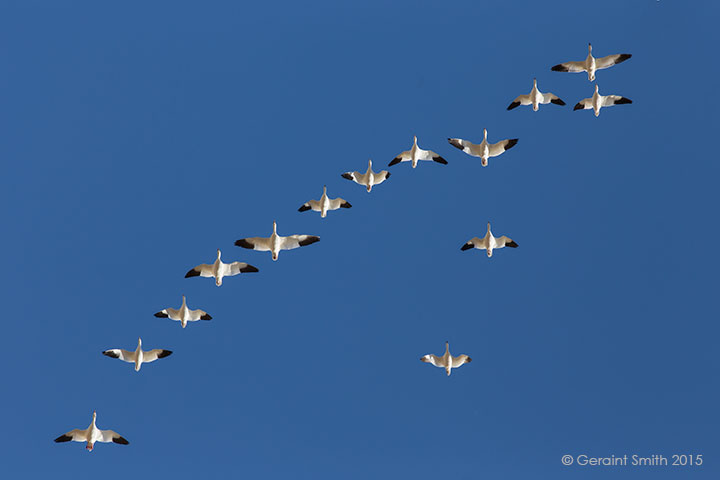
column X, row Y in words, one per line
column 597, row 101
column 138, row 357
column 489, row 243
column 325, row 204
column 91, row 435
column 591, row 64
column 369, row 178
column 218, row 270
column 184, row 314
column 447, row 361
column 275, row 242
column 535, row 98
column 483, row 150
column 416, row 154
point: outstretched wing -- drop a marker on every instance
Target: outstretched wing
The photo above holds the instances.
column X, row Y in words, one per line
column 551, row 97
column 152, row 355
column 235, row 268
column 610, row 60
column 108, row 436
column 460, row 360
column 505, row 242
column 310, row 205
column 261, row 244
column 466, row 146
column 295, row 241
column 573, row 67
column 336, row 203
column 75, row 435
column 433, row 359
column 474, row 242
column 583, row 104
column 123, row 355
column 380, row 177
column 403, row 157
column 496, row 149
column 198, row 314
column 430, row 155
column 357, row 177
column 610, row 100
column 520, row 100
column 202, row 270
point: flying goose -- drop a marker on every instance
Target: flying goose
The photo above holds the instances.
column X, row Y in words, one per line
column 325, row 204
column 447, row 361
column 220, row 270
column 184, row 314
column 138, row 357
column 275, row 242
column 591, row 64
column 489, row 243
column 369, row 178
column 597, row 101
column 416, row 154
column 484, row 150
column 91, row 435
column 535, row 98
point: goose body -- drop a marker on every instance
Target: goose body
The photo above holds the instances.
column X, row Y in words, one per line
column 535, row 98
column 369, row 178
column 183, row 314
column 275, row 243
column 484, row 150
column 415, row 154
column 597, row 101
column 91, row 435
column 447, row 361
column 591, row 64
column 139, row 356
column 489, row 242
column 325, row 204
column 218, row 270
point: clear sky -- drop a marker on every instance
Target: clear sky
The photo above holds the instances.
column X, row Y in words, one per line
column 136, row 138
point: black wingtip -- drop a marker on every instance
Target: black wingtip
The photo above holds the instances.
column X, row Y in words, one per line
column 162, row 314
column 455, row 143
column 559, row 68
column 120, row 440
column 622, row 101
column 249, row 268
column 467, row 246
column 345, row 205
column 579, row 106
column 623, row 57
column 468, row 360
column 165, row 353
column 304, row 208
column 513, row 105
column 192, row 273
column 557, row 101
column 111, row 354
column 347, row 176
column 511, row 143
column 206, row 317
column 511, row 244
column 244, row 244
column 63, row 438
column 395, row 161
column 309, row 241
column 387, row 176
column 440, row 159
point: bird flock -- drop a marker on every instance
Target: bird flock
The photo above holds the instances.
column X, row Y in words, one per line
column 276, row 243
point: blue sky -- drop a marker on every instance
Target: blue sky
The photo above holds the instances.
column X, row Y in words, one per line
column 139, row 138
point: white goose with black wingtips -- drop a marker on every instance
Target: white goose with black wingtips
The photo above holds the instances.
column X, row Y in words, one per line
column 484, row 150
column 183, row 314
column 489, row 242
column 415, row 154
column 139, row 356
column 535, row 98
column 597, row 101
column 218, row 270
column 447, row 361
column 275, row 243
column 91, row 435
column 591, row 64
column 369, row 178
column 325, row 204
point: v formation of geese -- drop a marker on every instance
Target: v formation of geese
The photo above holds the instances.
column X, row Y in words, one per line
column 276, row 243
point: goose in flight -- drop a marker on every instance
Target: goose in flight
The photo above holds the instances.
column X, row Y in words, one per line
column 369, row 178
column 416, row 154
column 218, row 270
column 275, row 242
column 184, row 314
column 597, row 101
column 535, row 98
column 91, row 435
column 591, row 64
column 138, row 357
column 447, row 361
column 484, row 150
column 325, row 204
column 489, row 243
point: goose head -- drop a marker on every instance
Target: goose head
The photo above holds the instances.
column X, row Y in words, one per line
column 589, row 48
